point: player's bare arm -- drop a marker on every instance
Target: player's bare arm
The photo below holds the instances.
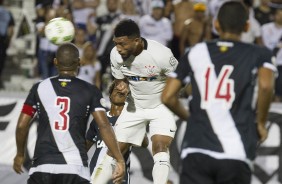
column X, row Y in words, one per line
column 109, row 138
column 21, row 139
column 265, row 92
column 171, row 100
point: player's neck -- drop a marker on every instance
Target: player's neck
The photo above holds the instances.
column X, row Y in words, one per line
column 116, row 109
column 68, row 73
column 140, row 48
column 230, row 36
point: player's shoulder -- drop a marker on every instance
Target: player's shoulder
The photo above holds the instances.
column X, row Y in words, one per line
column 115, row 56
column 158, row 51
column 156, row 48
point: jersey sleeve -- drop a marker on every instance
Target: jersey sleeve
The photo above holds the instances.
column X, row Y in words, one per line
column 92, row 132
column 266, row 59
column 170, row 63
column 182, row 70
column 29, row 106
column 98, row 102
column 115, row 67
column 31, row 97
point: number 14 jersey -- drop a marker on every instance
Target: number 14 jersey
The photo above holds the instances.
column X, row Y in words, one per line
column 223, row 77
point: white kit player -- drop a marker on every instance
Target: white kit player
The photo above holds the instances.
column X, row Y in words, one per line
column 144, row 65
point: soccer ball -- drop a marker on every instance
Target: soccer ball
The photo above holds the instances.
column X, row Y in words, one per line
column 59, row 30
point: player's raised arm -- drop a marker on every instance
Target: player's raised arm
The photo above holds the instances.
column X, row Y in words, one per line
column 109, row 138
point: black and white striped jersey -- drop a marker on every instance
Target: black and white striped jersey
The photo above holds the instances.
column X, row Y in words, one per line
column 93, row 135
column 223, row 77
column 63, row 105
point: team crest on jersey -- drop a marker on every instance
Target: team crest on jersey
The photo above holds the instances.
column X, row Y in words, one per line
column 151, row 70
column 172, row 61
column 64, row 84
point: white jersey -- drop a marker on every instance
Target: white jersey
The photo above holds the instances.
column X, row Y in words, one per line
column 146, row 72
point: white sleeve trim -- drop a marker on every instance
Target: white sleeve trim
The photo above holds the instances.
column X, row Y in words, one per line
column 270, row 66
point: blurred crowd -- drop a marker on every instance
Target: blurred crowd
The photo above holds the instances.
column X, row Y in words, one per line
column 178, row 24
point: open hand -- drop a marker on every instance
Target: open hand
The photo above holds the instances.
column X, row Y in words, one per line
column 118, row 173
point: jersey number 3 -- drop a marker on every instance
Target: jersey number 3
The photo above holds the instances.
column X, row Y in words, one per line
column 64, row 104
column 219, row 89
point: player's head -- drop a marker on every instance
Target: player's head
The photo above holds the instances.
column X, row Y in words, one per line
column 232, row 18
column 116, row 97
column 127, row 38
column 67, row 57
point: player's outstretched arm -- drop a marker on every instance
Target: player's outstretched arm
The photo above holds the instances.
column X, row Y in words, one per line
column 21, row 139
column 171, row 100
column 109, row 138
column 265, row 93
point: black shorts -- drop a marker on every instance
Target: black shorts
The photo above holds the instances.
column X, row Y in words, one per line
column 48, row 178
column 198, row 168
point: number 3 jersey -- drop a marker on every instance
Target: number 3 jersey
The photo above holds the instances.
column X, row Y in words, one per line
column 223, row 77
column 63, row 105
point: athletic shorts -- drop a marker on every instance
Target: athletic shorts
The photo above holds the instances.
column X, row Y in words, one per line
column 201, row 168
column 48, row 178
column 131, row 124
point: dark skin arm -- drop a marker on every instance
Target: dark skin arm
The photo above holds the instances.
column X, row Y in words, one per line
column 89, row 144
column 109, row 138
column 170, row 98
column 265, row 93
column 21, row 139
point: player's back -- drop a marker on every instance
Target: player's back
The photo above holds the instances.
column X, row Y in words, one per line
column 224, row 76
column 63, row 105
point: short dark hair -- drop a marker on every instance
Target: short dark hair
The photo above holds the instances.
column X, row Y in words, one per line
column 67, row 56
column 127, row 27
column 233, row 16
column 111, row 88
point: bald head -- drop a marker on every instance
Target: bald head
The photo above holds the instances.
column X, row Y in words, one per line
column 67, row 57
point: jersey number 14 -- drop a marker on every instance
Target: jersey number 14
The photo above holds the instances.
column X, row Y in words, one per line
column 218, row 89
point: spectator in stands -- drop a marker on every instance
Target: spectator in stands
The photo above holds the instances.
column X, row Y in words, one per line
column 6, row 33
column 143, row 6
column 129, row 11
column 90, row 67
column 272, row 39
column 104, row 34
column 156, row 26
column 253, row 35
column 80, row 39
column 263, row 13
column 46, row 50
column 196, row 29
column 81, row 10
column 181, row 11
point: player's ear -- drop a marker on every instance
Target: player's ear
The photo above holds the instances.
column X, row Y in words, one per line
column 247, row 26
column 79, row 62
column 217, row 26
column 55, row 62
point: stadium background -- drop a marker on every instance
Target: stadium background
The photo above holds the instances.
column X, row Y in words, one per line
column 17, row 75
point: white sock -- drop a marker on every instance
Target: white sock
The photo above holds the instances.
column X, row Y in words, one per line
column 102, row 173
column 161, row 168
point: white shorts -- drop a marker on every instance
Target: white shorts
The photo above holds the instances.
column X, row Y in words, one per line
column 131, row 124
